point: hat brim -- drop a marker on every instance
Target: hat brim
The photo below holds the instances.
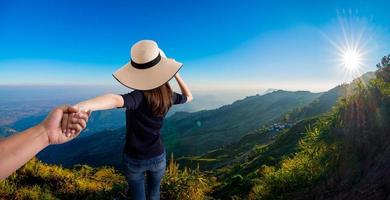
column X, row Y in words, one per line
column 147, row 79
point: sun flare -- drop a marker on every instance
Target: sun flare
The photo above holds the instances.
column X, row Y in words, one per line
column 351, row 59
column 352, row 43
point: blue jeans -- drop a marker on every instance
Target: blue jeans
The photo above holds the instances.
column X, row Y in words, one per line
column 135, row 174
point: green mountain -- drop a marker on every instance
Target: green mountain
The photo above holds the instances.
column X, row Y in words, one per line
column 342, row 154
column 278, row 143
column 99, row 149
column 240, row 150
column 322, row 104
column 213, row 128
column 327, row 100
column 196, row 133
column 210, row 138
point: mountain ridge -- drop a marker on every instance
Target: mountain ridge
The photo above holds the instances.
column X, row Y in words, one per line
column 237, row 118
column 83, row 148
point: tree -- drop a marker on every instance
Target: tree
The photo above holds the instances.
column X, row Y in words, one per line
column 384, row 68
column 385, row 62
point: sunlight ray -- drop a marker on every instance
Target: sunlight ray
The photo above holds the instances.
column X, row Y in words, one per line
column 351, row 47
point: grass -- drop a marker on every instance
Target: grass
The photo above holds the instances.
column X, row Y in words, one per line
column 37, row 180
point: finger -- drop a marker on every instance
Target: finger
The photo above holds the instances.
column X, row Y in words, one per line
column 75, row 128
column 89, row 112
column 82, row 123
column 69, row 122
column 66, row 109
column 71, row 132
column 68, row 133
column 63, row 108
column 70, row 109
column 75, row 119
column 79, row 121
column 75, row 135
column 83, row 117
column 64, row 122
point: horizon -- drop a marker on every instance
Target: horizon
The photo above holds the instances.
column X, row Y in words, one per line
column 119, row 87
column 260, row 45
column 175, row 87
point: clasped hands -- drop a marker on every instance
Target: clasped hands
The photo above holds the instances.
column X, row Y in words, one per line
column 65, row 123
column 61, row 125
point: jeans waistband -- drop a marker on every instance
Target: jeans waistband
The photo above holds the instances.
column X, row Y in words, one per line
column 155, row 159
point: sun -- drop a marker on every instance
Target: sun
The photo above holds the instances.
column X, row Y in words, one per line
column 353, row 42
column 351, row 59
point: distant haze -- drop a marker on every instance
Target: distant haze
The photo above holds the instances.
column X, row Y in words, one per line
column 17, row 102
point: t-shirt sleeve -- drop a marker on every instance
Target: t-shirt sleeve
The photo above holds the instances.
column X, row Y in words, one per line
column 179, row 98
column 131, row 100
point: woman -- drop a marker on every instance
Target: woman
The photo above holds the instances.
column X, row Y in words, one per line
column 148, row 74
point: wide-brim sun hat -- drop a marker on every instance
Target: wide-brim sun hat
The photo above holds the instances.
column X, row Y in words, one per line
column 148, row 67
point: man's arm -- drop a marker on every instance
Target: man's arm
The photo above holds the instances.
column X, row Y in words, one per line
column 17, row 149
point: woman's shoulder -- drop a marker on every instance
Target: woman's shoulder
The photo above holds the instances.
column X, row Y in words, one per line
column 133, row 99
column 137, row 94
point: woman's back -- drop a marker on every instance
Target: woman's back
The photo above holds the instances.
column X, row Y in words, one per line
column 143, row 139
column 148, row 72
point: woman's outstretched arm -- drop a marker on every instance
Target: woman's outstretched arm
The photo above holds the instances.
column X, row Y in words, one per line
column 184, row 88
column 104, row 102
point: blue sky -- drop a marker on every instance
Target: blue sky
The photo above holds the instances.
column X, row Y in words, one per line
column 223, row 44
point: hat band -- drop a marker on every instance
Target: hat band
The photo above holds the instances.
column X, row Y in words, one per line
column 148, row 64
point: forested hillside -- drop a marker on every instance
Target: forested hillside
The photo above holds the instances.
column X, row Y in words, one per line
column 340, row 155
column 209, row 129
column 196, row 133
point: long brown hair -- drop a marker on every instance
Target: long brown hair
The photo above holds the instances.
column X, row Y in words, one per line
column 159, row 99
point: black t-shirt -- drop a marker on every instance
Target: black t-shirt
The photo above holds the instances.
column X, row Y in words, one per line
column 143, row 140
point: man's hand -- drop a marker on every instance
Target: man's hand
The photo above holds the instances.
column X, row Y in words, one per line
column 17, row 149
column 52, row 124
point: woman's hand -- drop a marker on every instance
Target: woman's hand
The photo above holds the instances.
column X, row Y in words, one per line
column 74, row 122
